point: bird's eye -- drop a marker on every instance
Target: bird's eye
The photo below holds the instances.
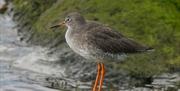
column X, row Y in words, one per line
column 67, row 19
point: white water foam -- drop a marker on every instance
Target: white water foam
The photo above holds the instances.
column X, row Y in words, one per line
column 32, row 61
column 19, row 61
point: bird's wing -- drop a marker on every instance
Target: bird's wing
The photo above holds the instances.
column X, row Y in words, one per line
column 111, row 41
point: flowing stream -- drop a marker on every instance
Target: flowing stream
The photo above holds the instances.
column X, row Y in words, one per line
column 18, row 67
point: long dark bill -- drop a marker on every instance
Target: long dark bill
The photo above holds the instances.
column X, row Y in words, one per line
column 58, row 25
column 55, row 26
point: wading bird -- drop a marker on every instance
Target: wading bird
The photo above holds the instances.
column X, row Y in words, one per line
column 98, row 43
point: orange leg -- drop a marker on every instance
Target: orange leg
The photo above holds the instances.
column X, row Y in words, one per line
column 102, row 77
column 97, row 77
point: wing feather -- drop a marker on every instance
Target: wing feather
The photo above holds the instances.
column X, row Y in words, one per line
column 111, row 41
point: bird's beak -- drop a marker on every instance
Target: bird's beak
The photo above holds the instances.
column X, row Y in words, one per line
column 58, row 25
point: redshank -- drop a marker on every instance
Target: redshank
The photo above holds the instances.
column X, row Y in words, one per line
column 98, row 43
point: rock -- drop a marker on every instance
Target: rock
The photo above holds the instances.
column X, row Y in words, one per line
column 3, row 6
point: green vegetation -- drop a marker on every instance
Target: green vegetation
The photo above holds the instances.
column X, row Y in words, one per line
column 152, row 22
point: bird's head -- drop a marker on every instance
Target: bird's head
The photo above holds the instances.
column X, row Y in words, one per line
column 72, row 20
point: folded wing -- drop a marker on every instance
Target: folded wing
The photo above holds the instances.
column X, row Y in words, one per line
column 113, row 42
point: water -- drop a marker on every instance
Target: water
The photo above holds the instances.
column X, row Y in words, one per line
column 19, row 68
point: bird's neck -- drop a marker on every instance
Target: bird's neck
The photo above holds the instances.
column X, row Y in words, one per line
column 73, row 31
column 76, row 27
column 68, row 33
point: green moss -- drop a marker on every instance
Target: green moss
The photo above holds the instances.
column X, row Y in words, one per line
column 152, row 22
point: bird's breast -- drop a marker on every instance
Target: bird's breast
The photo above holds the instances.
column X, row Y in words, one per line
column 75, row 43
